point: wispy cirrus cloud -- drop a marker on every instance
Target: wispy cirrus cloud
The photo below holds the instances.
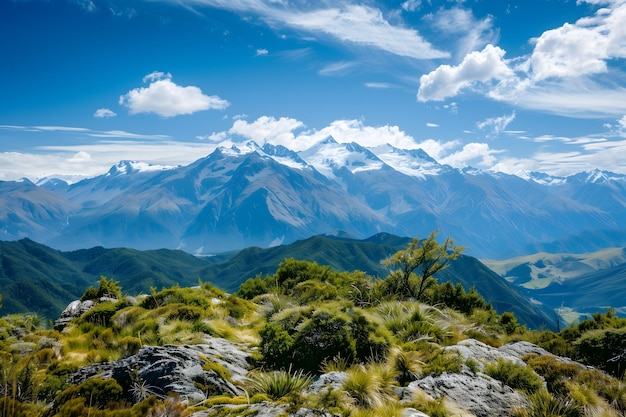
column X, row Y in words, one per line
column 496, row 124
column 348, row 23
column 167, row 99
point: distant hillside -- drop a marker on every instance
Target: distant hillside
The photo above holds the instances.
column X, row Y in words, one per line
column 36, row 278
column 578, row 284
column 31, row 269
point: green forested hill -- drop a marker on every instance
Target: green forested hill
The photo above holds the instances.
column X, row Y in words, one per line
column 34, row 277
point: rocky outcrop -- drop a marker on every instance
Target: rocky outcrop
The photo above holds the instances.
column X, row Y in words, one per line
column 191, row 371
column 477, row 393
column 77, row 308
column 74, row 309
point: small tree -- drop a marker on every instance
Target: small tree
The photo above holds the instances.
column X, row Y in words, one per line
column 106, row 288
column 411, row 270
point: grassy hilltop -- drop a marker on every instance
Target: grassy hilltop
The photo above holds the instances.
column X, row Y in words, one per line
column 374, row 343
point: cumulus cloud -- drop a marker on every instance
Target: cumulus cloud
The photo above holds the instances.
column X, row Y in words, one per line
column 104, row 113
column 167, row 99
column 268, row 129
column 571, row 70
column 345, row 131
column 261, row 52
column 472, row 154
column 622, row 122
column 478, row 66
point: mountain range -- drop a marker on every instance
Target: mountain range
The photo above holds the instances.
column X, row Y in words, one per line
column 268, row 195
column 34, row 277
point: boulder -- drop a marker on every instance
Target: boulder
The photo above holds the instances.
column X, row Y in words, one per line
column 74, row 309
column 477, row 393
column 484, row 354
column 175, row 369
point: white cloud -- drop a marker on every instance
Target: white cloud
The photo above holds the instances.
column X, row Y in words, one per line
column 346, row 131
column 411, row 5
column 348, row 23
column 80, row 157
column 438, row 149
column 447, row 81
column 87, row 5
column 432, row 125
column 167, row 99
column 337, row 68
column 569, row 51
column 364, row 25
column 472, row 154
column 104, row 113
column 268, row 129
column 473, row 33
column 497, row 124
column 379, row 85
column 622, row 122
column 572, row 70
column 261, row 52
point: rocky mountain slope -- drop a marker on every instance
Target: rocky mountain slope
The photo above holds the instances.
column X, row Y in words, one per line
column 264, row 196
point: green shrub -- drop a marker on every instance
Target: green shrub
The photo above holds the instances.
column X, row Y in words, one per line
column 106, row 288
column 237, row 307
column 253, row 287
column 438, row 361
column 101, row 314
column 97, row 392
column 314, row 291
column 184, row 312
column 514, row 375
column 555, row 373
column 321, row 337
column 603, row 349
column 276, row 345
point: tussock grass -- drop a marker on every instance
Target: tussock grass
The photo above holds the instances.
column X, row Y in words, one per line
column 279, row 384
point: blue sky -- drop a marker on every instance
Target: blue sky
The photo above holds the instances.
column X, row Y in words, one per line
column 510, row 86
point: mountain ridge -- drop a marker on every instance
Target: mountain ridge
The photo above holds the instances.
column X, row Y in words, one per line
column 249, row 195
column 140, row 271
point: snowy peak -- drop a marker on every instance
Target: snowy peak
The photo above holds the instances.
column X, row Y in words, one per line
column 329, row 157
column 284, row 156
column 595, row 177
column 413, row 162
column 126, row 167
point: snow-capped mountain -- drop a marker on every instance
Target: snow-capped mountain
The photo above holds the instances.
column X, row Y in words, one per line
column 251, row 195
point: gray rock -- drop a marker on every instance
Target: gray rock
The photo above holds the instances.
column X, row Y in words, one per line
column 74, row 309
column 178, row 369
column 331, row 380
column 484, row 354
column 521, row 349
column 412, row 412
column 477, row 393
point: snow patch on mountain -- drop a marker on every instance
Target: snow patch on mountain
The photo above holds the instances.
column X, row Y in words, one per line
column 414, row 162
column 126, row 167
column 329, row 156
